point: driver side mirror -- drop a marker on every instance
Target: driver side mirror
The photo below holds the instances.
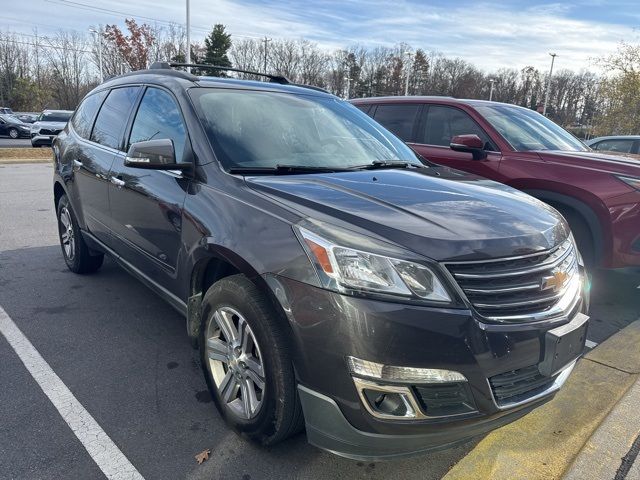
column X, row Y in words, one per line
column 469, row 143
column 154, row 155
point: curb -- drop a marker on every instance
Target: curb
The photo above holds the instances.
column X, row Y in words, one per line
column 13, row 161
column 544, row 444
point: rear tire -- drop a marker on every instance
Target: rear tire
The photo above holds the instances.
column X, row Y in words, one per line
column 233, row 306
column 75, row 251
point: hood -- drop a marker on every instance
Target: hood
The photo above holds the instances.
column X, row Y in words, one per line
column 612, row 163
column 436, row 212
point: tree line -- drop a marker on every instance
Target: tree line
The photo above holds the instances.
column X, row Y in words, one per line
column 56, row 71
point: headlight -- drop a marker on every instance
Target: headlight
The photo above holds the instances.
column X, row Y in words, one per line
column 347, row 270
column 633, row 182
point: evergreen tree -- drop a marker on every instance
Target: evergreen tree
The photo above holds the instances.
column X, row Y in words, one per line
column 217, row 44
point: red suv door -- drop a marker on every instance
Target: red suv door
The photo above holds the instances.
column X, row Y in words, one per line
column 438, row 124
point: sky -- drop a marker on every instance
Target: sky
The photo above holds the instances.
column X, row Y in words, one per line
column 492, row 35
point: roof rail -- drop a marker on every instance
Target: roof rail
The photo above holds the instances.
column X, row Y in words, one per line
column 272, row 78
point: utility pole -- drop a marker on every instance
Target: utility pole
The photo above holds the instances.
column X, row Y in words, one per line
column 37, row 59
column 546, row 95
column 406, row 82
column 188, row 53
column 99, row 38
column 266, row 41
column 491, row 81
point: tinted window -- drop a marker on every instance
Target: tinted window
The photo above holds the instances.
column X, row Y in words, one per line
column 159, row 117
column 399, row 118
column 623, row 146
column 83, row 118
column 265, row 129
column 443, row 123
column 112, row 119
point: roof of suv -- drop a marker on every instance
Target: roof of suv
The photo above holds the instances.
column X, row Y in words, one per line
column 180, row 79
column 427, row 99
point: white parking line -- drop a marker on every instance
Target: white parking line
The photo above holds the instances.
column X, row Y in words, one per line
column 101, row 448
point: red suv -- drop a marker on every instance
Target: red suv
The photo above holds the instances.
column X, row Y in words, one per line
column 598, row 194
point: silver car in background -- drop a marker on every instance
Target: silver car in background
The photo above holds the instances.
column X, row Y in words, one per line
column 49, row 124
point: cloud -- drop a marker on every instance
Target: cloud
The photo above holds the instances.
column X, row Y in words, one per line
column 516, row 33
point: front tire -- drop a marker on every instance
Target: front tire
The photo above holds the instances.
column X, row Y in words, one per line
column 74, row 249
column 13, row 133
column 247, row 363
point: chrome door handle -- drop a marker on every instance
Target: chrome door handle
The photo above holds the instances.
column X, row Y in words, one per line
column 116, row 181
column 77, row 163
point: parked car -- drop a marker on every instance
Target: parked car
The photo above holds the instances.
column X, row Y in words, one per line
column 26, row 117
column 620, row 144
column 598, row 194
column 12, row 127
column 328, row 277
column 49, row 124
column 6, row 111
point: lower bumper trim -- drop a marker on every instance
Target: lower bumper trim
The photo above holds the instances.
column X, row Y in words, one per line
column 328, row 429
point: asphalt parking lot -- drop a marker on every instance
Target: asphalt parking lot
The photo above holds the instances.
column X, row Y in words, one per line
column 17, row 143
column 124, row 355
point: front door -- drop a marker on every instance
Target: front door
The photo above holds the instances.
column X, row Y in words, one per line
column 146, row 205
column 438, row 125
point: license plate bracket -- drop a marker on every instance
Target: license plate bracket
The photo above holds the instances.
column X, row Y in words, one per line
column 564, row 344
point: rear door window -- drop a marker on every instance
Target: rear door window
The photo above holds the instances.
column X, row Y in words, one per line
column 159, row 117
column 86, row 112
column 113, row 115
column 399, row 118
column 443, row 123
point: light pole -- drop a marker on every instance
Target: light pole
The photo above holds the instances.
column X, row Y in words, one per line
column 266, row 40
column 99, row 38
column 546, row 95
column 188, row 53
column 406, row 81
column 491, row 81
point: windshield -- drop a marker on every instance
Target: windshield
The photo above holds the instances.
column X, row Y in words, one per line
column 527, row 130
column 258, row 129
column 10, row 119
column 55, row 117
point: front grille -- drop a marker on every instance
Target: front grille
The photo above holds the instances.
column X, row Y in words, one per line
column 521, row 288
column 48, row 131
column 442, row 400
column 518, row 385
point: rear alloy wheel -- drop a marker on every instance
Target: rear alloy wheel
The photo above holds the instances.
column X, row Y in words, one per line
column 13, row 133
column 75, row 251
column 245, row 355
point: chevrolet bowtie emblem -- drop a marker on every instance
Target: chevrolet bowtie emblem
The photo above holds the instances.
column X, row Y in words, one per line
column 554, row 282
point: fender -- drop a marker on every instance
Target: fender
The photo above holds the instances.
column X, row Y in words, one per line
column 582, row 208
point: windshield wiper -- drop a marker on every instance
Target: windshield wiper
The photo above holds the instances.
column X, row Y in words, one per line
column 380, row 164
column 286, row 170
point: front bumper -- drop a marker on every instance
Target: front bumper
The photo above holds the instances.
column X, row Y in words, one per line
column 329, row 327
column 37, row 139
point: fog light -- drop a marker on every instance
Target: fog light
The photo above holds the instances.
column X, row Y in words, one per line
column 390, row 402
column 377, row 371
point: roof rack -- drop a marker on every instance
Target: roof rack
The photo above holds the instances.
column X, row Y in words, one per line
column 272, row 78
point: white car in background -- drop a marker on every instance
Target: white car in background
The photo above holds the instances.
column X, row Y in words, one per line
column 49, row 124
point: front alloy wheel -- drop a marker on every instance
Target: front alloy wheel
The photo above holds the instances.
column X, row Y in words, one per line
column 13, row 133
column 235, row 362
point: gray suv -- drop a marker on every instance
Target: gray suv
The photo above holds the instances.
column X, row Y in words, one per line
column 329, row 277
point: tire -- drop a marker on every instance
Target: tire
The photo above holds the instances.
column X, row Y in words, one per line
column 583, row 236
column 74, row 249
column 13, row 133
column 276, row 413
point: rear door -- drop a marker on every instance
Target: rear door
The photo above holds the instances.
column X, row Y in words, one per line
column 438, row 124
column 146, row 205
